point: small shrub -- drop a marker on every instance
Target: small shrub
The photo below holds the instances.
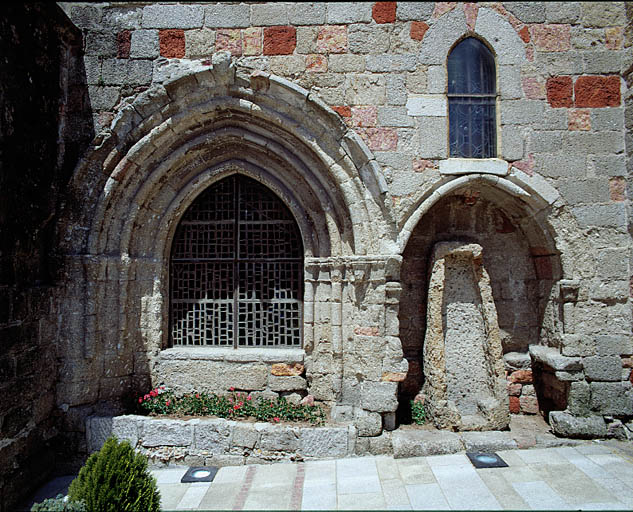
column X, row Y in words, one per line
column 418, row 415
column 59, row 504
column 116, row 479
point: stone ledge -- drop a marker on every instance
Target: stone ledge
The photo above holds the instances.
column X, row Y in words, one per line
column 552, row 357
column 494, row 166
column 224, row 442
column 240, row 355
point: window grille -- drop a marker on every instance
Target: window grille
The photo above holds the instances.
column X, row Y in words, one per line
column 237, row 270
column 471, row 100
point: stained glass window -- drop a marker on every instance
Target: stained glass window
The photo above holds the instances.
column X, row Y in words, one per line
column 237, row 270
column 471, row 100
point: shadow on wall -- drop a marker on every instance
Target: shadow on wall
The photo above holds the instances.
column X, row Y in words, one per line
column 521, row 276
column 45, row 124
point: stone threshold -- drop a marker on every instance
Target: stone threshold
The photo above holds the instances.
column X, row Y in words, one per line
column 220, row 442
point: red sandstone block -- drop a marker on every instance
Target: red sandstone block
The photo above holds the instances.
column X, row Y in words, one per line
column 384, row 12
column 172, row 43
column 559, row 91
column 280, row 40
column 524, row 34
column 123, row 43
column 418, row 29
column 515, row 405
column 342, row 111
column 521, row 376
column 597, row 91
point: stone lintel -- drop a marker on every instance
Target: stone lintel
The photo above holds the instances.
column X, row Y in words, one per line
column 494, row 166
column 242, row 355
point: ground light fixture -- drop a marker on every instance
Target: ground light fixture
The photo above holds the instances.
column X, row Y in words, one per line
column 486, row 460
column 199, row 474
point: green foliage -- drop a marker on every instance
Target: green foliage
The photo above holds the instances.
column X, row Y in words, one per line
column 235, row 405
column 418, row 415
column 116, row 479
column 59, row 504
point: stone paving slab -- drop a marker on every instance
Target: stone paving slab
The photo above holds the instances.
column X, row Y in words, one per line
column 590, row 476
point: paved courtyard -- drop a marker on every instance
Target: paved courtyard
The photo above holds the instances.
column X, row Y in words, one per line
column 589, row 476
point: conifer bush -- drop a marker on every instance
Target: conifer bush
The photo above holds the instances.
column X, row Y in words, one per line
column 116, row 479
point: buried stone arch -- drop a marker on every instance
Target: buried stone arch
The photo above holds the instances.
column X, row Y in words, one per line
column 493, row 290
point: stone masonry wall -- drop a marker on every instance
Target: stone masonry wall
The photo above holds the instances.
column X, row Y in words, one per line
column 559, row 183
column 41, row 134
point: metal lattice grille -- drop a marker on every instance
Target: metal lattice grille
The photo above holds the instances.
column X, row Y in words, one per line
column 237, row 270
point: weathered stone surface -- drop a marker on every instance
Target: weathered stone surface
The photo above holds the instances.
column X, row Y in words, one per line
column 462, row 347
column 212, row 435
column 517, row 360
column 323, row 442
column 564, row 424
column 98, row 429
column 421, row 443
column 614, row 398
column 287, row 383
column 161, row 432
column 602, row 368
column 488, row 441
column 379, row 396
column 244, row 436
column 277, row 438
column 551, row 357
column 367, row 423
column 173, row 16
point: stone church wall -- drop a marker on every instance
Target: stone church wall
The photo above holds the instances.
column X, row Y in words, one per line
column 341, row 110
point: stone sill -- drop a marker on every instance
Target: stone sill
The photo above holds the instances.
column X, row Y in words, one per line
column 494, row 166
column 240, row 355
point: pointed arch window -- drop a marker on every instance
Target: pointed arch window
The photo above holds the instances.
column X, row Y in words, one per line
column 236, row 270
column 472, row 96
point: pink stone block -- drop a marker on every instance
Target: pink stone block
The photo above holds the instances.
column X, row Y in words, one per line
column 578, row 120
column 229, row 39
column 316, row 63
column 252, row 41
column 551, row 38
column 332, row 39
column 533, row 87
column 380, row 139
column 364, row 117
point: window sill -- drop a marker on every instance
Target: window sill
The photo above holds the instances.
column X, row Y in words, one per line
column 494, row 166
column 242, row 355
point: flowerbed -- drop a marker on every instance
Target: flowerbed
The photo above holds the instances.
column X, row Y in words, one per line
column 162, row 402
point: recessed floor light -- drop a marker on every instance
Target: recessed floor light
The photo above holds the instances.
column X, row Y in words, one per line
column 486, row 460
column 199, row 474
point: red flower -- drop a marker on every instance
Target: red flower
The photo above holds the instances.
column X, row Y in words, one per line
column 276, row 419
column 167, row 403
column 140, row 399
column 249, row 398
column 231, row 388
column 197, row 395
column 147, row 397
